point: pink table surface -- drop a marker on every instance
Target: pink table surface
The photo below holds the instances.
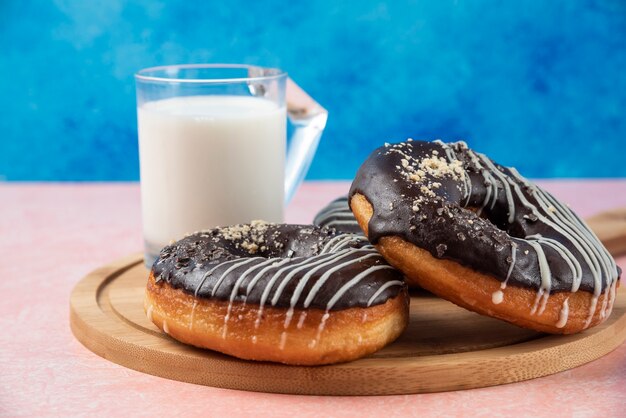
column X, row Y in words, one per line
column 51, row 235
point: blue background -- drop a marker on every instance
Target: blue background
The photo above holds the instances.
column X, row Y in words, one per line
column 540, row 85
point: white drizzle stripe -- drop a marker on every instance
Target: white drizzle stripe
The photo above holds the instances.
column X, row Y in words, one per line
column 583, row 239
column 597, row 253
column 258, row 276
column 487, row 194
column 592, row 310
column 592, row 263
column 320, row 328
column 563, row 314
column 351, row 283
column 342, row 245
column 498, row 296
column 492, row 190
column 270, row 284
column 539, row 216
column 546, row 277
column 567, row 256
column 575, row 221
column 193, row 311
column 341, row 241
column 505, row 184
column 228, row 270
column 582, row 225
column 594, row 253
column 381, row 290
column 570, row 220
column 331, row 242
column 607, row 262
column 302, row 283
column 334, row 257
column 236, row 287
column 322, row 280
column 513, row 259
column 208, row 274
column 342, row 223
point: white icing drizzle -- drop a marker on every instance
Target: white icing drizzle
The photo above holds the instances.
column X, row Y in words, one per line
column 380, row 290
column 567, row 256
column 228, row 270
column 318, row 266
column 301, row 320
column 608, row 262
column 352, row 282
column 238, row 283
column 546, row 279
column 320, row 329
column 585, row 241
column 342, row 244
column 612, row 296
column 575, row 239
column 305, row 263
column 322, row 280
column 149, row 312
column 193, row 311
column 498, row 296
column 209, row 273
column 505, row 184
column 563, row 314
column 488, row 181
column 338, row 222
column 333, row 241
column 492, row 189
column 260, row 274
column 165, row 327
column 513, row 259
column 330, row 255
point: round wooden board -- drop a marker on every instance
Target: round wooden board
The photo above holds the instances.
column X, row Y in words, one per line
column 444, row 348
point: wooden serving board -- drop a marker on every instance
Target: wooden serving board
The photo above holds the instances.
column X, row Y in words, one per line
column 444, row 348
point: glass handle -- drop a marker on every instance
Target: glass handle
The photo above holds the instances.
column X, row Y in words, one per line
column 309, row 120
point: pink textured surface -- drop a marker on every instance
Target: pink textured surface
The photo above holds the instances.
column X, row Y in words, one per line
column 51, row 235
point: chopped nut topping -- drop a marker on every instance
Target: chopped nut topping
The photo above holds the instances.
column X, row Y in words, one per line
column 251, row 236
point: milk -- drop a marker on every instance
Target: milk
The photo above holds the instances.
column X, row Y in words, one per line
column 209, row 161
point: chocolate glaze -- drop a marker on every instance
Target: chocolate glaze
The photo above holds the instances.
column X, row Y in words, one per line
column 337, row 214
column 252, row 263
column 482, row 215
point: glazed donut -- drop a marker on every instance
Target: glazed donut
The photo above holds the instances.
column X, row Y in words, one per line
column 337, row 214
column 292, row 294
column 480, row 235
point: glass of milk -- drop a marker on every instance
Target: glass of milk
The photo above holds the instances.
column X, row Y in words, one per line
column 213, row 147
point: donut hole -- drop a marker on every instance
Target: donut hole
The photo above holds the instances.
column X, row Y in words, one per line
column 499, row 219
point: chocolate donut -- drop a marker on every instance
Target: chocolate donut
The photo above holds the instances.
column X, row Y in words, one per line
column 482, row 236
column 293, row 294
column 337, row 214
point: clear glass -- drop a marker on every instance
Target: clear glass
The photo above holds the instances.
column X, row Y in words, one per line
column 213, row 148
